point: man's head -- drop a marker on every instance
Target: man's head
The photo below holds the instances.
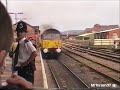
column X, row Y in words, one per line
column 21, row 29
column 6, row 33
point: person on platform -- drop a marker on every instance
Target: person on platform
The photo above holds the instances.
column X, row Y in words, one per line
column 26, row 53
column 6, row 38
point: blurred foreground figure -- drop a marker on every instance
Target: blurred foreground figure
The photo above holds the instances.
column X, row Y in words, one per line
column 6, row 38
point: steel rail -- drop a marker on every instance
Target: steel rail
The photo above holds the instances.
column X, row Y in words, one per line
column 115, row 79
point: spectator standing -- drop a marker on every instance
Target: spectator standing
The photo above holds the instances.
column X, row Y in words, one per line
column 26, row 54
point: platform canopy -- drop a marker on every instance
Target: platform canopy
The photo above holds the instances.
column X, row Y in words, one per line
column 86, row 34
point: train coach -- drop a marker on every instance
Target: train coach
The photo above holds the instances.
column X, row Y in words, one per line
column 109, row 39
column 51, row 43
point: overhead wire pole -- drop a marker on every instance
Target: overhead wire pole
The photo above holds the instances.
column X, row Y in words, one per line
column 16, row 15
column 22, row 18
column 6, row 4
column 12, row 13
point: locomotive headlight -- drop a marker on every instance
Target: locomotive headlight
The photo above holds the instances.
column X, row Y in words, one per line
column 45, row 50
column 58, row 50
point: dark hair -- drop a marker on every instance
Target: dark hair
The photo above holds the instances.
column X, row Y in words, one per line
column 6, row 32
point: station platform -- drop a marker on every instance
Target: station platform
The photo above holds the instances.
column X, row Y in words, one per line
column 38, row 77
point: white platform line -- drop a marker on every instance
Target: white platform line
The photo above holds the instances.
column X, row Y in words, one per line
column 43, row 73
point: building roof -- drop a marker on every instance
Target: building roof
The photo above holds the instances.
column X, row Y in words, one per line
column 108, row 30
column 84, row 34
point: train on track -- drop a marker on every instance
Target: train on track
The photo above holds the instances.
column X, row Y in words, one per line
column 51, row 43
column 107, row 39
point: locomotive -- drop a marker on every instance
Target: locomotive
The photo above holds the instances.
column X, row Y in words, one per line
column 51, row 43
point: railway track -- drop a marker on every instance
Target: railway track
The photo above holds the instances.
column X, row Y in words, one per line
column 110, row 63
column 105, row 55
column 63, row 76
column 109, row 72
column 107, row 51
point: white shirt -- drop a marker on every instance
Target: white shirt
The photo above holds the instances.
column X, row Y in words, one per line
column 25, row 50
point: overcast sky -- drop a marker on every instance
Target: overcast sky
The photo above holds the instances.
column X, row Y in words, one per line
column 66, row 14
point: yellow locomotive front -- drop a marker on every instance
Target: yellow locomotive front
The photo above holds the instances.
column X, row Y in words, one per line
column 51, row 43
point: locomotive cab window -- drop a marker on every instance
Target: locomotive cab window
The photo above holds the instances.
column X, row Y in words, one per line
column 52, row 36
